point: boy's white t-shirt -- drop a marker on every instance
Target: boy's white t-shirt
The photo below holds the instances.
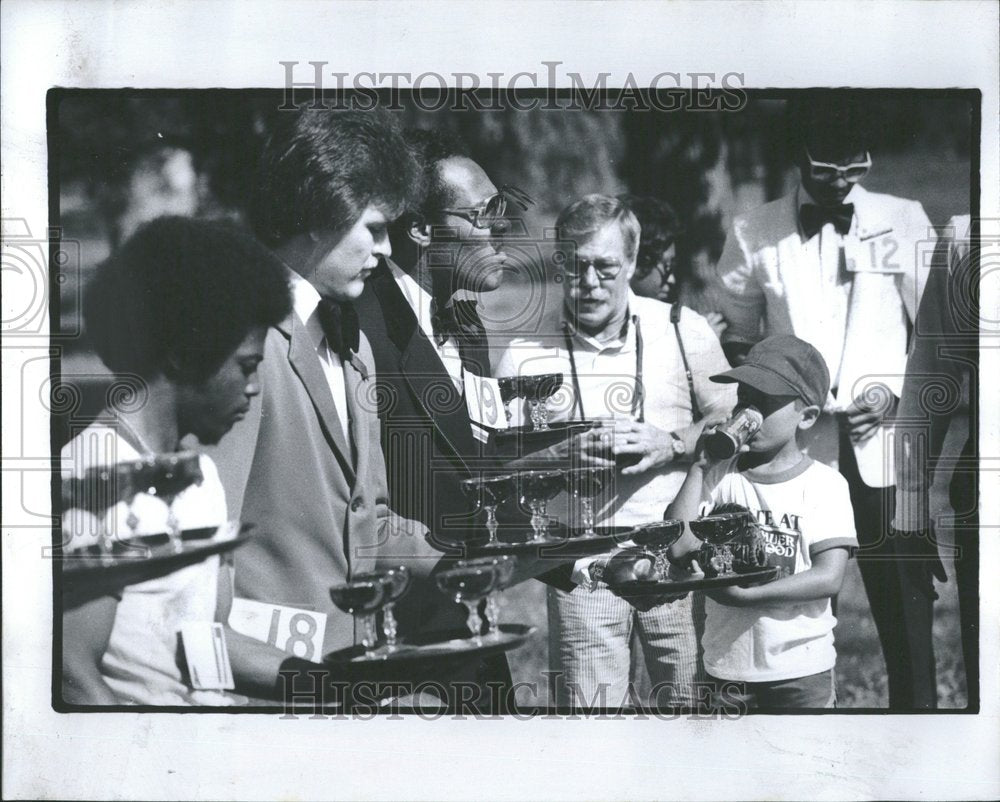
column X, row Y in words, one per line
column 802, row 512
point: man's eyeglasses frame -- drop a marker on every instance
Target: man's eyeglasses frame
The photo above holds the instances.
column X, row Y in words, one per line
column 494, row 208
column 860, row 169
column 604, row 273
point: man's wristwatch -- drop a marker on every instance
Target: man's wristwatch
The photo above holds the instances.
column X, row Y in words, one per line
column 595, row 573
column 677, row 445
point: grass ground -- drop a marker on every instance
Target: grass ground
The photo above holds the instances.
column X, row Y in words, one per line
column 861, row 680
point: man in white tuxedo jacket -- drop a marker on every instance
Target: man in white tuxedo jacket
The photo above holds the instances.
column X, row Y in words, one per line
column 843, row 269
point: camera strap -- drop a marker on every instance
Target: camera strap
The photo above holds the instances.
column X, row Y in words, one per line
column 675, row 319
column 638, row 410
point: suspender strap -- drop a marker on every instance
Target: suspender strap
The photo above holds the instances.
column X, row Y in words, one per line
column 675, row 318
column 639, row 395
column 638, row 411
column 572, row 367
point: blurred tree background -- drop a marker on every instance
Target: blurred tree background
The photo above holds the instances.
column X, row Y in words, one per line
column 125, row 157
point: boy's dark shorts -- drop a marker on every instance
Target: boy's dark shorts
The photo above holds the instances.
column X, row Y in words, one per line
column 816, row 692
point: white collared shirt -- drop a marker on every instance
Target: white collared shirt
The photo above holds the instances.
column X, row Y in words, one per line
column 421, row 302
column 606, row 373
column 305, row 301
column 831, row 307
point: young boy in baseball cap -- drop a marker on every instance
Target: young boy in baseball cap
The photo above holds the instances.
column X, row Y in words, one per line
column 771, row 645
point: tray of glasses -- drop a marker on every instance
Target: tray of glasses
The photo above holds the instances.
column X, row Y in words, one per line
column 520, row 440
column 138, row 559
column 759, row 576
column 561, row 543
column 428, row 649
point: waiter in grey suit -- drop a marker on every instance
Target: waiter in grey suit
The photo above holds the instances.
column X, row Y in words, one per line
column 306, row 467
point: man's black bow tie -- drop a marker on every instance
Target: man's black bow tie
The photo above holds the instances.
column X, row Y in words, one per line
column 814, row 217
column 340, row 326
column 459, row 320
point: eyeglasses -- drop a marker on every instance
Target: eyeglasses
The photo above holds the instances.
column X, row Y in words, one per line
column 606, row 269
column 664, row 269
column 487, row 213
column 825, row 172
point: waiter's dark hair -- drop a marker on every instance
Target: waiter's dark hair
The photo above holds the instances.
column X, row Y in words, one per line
column 834, row 123
column 321, row 169
column 180, row 296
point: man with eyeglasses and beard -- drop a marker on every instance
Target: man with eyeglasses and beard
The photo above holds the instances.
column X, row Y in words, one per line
column 420, row 313
column 839, row 267
column 645, row 377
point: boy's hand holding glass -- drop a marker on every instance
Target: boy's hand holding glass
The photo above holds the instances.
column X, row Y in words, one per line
column 701, row 458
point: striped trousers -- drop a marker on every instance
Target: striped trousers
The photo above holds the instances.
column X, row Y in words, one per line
column 590, row 649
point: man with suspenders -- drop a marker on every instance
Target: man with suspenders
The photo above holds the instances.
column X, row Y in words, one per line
column 642, row 366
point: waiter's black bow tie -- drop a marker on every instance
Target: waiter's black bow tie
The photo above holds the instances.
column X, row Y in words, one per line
column 459, row 320
column 814, row 217
column 340, row 325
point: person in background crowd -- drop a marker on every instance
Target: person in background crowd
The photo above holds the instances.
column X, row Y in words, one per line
column 839, row 267
column 942, row 365
column 656, row 274
column 654, row 266
column 184, row 305
column 157, row 179
column 624, row 361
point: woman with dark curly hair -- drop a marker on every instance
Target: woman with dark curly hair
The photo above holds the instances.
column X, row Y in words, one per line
column 181, row 308
column 657, row 271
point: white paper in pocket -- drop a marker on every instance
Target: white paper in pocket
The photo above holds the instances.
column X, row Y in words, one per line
column 207, row 656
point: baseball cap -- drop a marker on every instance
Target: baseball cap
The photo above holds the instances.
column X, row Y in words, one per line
column 783, row 365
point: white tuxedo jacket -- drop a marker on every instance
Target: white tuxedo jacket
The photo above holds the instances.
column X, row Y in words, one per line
column 855, row 309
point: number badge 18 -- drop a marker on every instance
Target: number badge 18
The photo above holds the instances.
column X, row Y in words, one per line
column 292, row 629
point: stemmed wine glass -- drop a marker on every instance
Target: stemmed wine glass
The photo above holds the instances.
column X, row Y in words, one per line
column 719, row 530
column 489, row 493
column 100, row 488
column 585, row 484
column 537, row 488
column 657, row 538
column 469, row 585
column 362, row 597
column 537, row 390
column 97, row 490
column 510, row 388
column 504, row 565
column 166, row 476
column 396, row 582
